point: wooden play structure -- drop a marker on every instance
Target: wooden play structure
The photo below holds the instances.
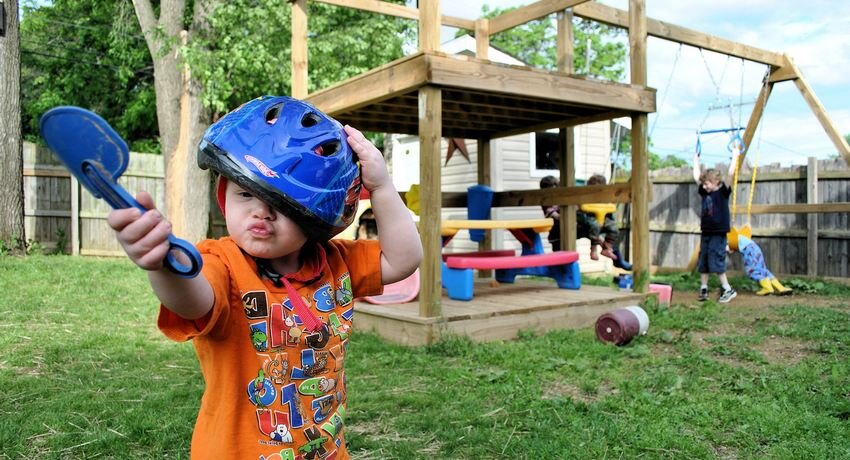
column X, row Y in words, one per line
column 435, row 96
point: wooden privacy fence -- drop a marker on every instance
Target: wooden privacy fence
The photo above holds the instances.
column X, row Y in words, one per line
column 800, row 215
column 60, row 215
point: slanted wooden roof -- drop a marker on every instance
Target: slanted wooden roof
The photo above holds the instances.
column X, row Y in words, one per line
column 480, row 98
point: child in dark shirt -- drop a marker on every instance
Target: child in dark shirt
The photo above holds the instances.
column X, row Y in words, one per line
column 715, row 223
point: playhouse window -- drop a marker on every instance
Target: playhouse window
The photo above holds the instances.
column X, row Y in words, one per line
column 545, row 152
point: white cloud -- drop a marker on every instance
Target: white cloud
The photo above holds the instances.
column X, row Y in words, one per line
column 814, row 33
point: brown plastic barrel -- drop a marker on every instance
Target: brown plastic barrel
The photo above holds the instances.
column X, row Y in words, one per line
column 617, row 327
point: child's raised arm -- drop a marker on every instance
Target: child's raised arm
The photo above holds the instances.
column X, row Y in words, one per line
column 697, row 170
column 401, row 249
column 144, row 237
column 736, row 152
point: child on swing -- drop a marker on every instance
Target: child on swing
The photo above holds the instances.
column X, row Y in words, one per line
column 754, row 265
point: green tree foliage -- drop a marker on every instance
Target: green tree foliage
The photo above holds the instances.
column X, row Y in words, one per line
column 534, row 44
column 88, row 53
column 246, row 51
column 656, row 161
column 91, row 53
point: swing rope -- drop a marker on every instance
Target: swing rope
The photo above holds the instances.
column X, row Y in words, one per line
column 755, row 164
column 758, row 149
column 717, row 87
column 714, row 82
column 666, row 88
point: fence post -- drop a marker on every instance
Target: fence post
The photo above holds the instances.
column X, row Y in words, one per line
column 812, row 227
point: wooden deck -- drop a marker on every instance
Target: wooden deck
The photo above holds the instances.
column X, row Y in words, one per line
column 495, row 313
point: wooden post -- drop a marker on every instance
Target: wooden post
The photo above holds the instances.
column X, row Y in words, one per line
column 640, row 157
column 812, row 230
column 75, row 216
column 755, row 118
column 482, row 39
column 429, row 25
column 485, row 177
column 567, row 166
column 299, row 49
column 430, row 199
column 566, row 136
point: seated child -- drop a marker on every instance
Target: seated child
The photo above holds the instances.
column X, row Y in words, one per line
column 587, row 226
column 755, row 267
column 552, row 212
column 591, row 228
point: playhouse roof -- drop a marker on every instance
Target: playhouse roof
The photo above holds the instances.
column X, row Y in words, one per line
column 480, row 98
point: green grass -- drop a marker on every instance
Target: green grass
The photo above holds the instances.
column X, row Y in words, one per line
column 84, row 373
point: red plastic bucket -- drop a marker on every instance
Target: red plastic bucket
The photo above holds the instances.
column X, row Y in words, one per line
column 621, row 326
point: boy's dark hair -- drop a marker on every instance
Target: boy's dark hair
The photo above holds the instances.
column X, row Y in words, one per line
column 549, row 182
column 367, row 227
column 596, row 179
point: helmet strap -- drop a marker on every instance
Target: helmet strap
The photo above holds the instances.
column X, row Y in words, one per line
column 309, row 320
column 220, row 192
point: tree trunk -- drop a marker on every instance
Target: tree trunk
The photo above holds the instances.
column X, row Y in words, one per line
column 11, row 155
column 180, row 116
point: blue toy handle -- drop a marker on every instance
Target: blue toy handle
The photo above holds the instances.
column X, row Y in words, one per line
column 119, row 198
column 736, row 139
column 189, row 270
column 699, row 145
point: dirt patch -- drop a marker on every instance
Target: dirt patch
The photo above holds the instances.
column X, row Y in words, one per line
column 746, row 312
column 783, row 350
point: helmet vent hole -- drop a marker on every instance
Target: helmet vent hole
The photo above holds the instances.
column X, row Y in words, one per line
column 273, row 113
column 327, row 149
column 310, row 119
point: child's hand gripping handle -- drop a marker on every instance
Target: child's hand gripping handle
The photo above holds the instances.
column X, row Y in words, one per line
column 182, row 259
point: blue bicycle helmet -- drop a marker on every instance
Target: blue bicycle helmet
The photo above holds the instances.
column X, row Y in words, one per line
column 290, row 155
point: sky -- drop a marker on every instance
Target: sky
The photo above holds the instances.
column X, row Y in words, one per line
column 815, row 33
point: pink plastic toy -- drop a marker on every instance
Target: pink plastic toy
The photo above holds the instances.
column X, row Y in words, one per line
column 665, row 293
column 402, row 291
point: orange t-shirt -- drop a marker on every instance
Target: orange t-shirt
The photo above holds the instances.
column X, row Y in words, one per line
column 273, row 390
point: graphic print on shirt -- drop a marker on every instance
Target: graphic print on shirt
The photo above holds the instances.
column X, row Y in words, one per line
column 343, row 291
column 298, row 391
column 708, row 206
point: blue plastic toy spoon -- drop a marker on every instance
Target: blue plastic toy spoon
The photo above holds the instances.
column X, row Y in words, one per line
column 97, row 156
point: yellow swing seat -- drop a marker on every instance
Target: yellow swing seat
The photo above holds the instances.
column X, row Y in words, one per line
column 599, row 209
column 732, row 236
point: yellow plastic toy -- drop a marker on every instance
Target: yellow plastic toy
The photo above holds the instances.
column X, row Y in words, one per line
column 411, row 197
